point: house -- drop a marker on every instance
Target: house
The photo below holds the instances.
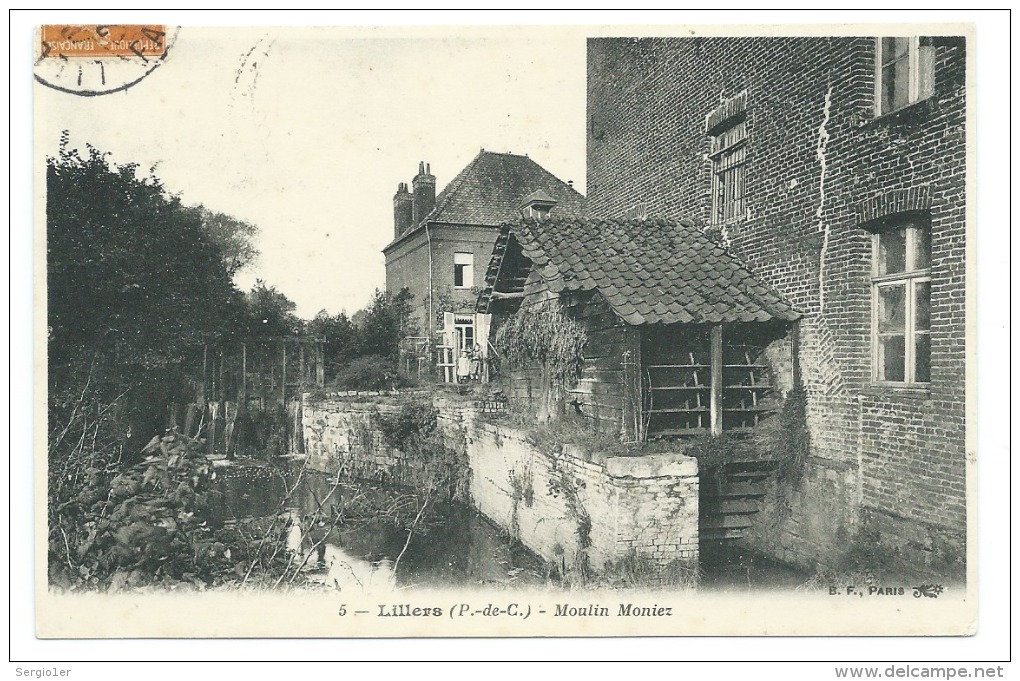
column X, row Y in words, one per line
column 442, row 243
column 681, row 339
column 834, row 169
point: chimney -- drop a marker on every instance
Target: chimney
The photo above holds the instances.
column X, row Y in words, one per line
column 424, row 187
column 403, row 210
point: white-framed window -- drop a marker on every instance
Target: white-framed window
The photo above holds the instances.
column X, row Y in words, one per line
column 901, row 302
column 464, row 327
column 463, row 270
column 904, row 72
column 729, row 157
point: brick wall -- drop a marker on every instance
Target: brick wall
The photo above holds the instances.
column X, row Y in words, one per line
column 407, row 265
column 818, row 164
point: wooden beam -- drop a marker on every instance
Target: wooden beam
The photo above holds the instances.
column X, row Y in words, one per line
column 205, row 378
column 283, row 377
column 717, row 379
column 795, row 353
column 500, row 295
column 320, row 366
column 633, row 403
column 244, row 373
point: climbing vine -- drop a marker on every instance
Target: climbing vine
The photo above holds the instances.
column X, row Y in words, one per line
column 564, row 484
column 543, row 334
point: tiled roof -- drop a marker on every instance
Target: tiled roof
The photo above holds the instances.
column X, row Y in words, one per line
column 490, row 189
column 649, row 271
column 538, row 196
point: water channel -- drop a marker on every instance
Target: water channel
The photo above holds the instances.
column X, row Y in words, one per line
column 450, row 546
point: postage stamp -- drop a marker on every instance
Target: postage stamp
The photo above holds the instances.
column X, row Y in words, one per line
column 394, row 332
column 95, row 59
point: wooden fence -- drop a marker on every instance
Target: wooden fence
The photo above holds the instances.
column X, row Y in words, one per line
column 248, row 395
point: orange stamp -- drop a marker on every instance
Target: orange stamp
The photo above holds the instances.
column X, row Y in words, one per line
column 90, row 60
column 122, row 40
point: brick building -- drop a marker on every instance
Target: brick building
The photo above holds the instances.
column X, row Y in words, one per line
column 441, row 244
column 835, row 169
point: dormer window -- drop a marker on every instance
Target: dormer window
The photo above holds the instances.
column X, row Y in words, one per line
column 537, row 205
column 537, row 212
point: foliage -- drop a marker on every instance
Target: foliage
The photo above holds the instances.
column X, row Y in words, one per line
column 781, row 439
column 593, row 444
column 233, row 238
column 386, row 320
column 415, row 421
column 368, row 373
column 118, row 525
column 340, row 340
column 784, row 437
column 543, row 334
column 362, row 351
column 147, row 523
column 442, row 302
column 634, row 571
column 714, row 451
column 564, row 484
column 522, row 486
column 264, row 431
column 134, row 285
column 435, row 468
column 269, row 313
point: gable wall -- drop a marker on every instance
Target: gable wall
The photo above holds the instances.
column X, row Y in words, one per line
column 407, row 265
column 816, row 154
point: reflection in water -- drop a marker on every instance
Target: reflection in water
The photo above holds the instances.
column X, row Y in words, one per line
column 455, row 546
column 343, row 570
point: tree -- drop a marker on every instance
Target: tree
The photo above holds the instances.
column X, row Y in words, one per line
column 340, row 339
column 386, row 321
column 134, row 282
column 270, row 313
column 233, row 237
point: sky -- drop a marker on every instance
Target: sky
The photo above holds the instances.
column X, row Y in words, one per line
column 306, row 133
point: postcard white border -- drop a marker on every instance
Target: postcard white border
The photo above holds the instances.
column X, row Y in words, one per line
column 990, row 51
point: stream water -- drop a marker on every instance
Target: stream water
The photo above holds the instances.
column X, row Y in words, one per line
column 455, row 546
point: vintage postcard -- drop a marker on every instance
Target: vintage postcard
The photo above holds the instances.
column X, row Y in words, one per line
column 506, row 331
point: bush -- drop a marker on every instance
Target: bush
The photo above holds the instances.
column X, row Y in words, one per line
column 148, row 523
column 640, row 572
column 415, row 422
column 371, row 372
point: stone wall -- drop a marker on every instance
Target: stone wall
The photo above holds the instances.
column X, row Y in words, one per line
column 338, row 431
column 567, row 506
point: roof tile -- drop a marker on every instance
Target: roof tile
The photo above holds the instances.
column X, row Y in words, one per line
column 649, row 271
column 491, row 189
